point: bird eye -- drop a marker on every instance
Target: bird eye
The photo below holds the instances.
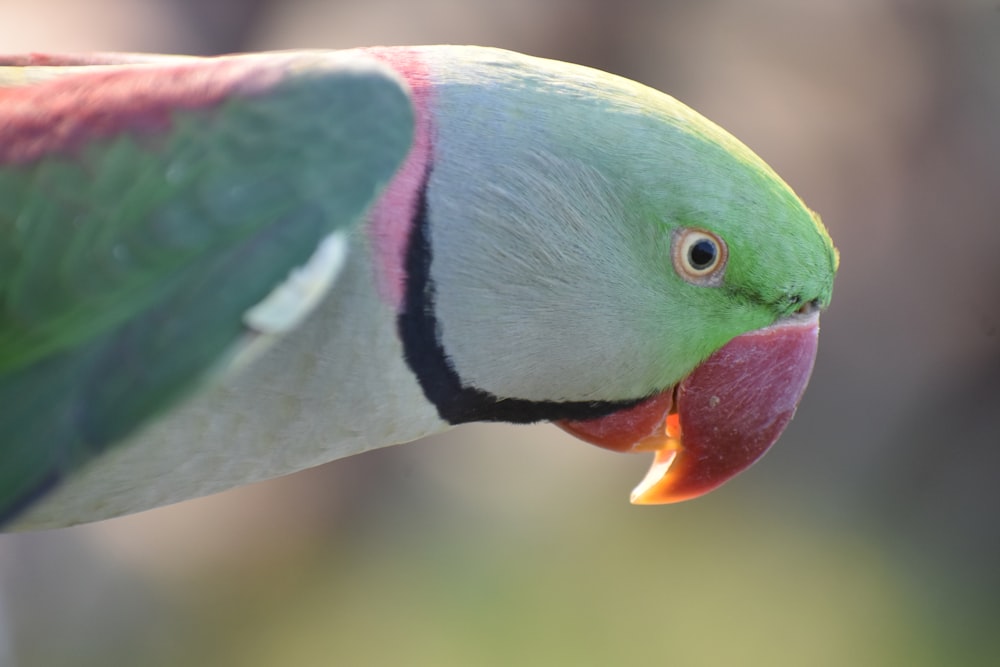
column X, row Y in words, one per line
column 699, row 256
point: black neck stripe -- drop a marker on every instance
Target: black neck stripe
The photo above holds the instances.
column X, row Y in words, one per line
column 439, row 380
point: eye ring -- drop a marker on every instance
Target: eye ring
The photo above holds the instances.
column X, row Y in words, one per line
column 699, row 256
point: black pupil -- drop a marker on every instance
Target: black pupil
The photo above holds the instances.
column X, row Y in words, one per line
column 702, row 254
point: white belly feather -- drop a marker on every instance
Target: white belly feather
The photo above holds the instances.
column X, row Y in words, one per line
column 336, row 386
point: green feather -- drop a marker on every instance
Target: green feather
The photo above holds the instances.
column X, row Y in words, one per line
column 585, row 179
column 128, row 267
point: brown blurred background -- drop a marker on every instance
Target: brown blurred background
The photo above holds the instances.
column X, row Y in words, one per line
column 870, row 535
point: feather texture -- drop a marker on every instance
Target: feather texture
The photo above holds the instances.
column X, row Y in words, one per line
column 143, row 211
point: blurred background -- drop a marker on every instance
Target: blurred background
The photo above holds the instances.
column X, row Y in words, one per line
column 870, row 535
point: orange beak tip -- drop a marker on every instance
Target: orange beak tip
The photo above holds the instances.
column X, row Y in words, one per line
column 652, row 489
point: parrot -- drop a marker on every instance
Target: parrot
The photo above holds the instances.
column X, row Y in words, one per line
column 218, row 270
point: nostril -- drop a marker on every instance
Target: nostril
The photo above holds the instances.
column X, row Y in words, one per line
column 807, row 307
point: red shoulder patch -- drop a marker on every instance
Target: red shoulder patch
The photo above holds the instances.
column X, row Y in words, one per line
column 61, row 115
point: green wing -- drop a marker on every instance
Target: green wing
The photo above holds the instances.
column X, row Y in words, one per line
column 131, row 250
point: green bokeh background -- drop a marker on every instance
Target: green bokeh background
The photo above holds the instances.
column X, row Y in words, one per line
column 870, row 535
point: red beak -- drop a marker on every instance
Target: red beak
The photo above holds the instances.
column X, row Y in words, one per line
column 719, row 419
